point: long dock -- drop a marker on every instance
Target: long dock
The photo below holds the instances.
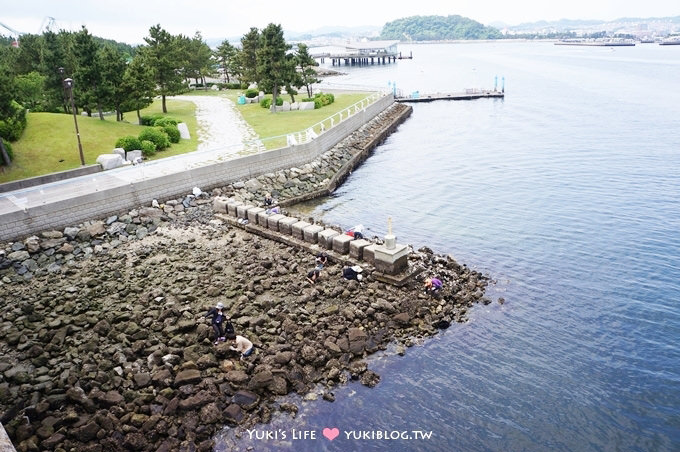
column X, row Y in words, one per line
column 469, row 94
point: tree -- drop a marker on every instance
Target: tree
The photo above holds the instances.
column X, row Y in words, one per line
column 88, row 75
column 139, row 85
column 305, row 63
column 273, row 66
column 30, row 90
column 112, row 91
column 163, row 54
column 226, row 59
column 6, row 110
column 56, row 49
column 247, row 57
column 199, row 63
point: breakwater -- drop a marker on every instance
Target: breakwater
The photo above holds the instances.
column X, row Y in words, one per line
column 104, row 341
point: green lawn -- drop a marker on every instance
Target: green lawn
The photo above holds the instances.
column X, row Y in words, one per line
column 49, row 142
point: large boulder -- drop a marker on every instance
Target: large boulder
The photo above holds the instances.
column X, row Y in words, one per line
column 110, row 161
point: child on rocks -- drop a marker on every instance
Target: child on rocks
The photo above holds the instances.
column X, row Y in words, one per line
column 219, row 322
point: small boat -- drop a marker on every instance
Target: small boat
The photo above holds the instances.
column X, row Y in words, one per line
column 672, row 41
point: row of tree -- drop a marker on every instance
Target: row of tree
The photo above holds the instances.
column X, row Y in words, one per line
column 110, row 76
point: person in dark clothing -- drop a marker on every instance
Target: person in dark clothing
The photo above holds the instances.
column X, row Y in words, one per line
column 219, row 322
column 352, row 273
column 322, row 258
column 314, row 275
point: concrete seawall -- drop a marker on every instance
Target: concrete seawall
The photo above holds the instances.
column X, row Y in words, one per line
column 55, row 206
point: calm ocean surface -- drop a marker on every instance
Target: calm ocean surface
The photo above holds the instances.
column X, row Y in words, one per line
column 567, row 193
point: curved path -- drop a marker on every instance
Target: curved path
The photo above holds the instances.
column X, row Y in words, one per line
column 221, row 128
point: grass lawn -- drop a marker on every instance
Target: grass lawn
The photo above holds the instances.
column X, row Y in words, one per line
column 49, row 142
column 273, row 127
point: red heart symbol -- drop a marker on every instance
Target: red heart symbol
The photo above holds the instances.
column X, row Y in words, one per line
column 331, row 433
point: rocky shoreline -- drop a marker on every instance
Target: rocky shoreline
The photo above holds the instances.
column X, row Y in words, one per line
column 104, row 344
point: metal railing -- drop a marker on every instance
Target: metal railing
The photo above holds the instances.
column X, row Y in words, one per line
column 307, row 135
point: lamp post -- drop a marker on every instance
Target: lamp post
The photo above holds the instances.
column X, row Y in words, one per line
column 68, row 89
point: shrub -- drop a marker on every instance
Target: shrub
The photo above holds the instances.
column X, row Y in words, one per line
column 14, row 124
column 148, row 148
column 165, row 120
column 267, row 102
column 326, row 99
column 231, row 86
column 129, row 143
column 156, row 136
column 172, row 131
column 250, row 93
column 317, row 104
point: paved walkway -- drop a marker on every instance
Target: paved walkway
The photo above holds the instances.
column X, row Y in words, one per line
column 223, row 135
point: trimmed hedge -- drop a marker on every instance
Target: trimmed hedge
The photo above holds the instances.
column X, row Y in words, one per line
column 148, row 148
column 157, row 136
column 172, row 131
column 250, row 93
column 165, row 120
column 129, row 143
column 267, row 102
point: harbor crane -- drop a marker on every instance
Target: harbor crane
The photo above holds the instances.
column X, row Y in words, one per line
column 15, row 34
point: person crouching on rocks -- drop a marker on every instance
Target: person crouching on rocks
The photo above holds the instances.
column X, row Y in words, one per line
column 353, row 272
column 242, row 345
column 219, row 321
column 433, row 286
column 313, row 276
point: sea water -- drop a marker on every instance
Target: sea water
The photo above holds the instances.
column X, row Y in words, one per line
column 567, row 195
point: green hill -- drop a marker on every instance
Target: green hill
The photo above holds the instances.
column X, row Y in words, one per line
column 437, row 28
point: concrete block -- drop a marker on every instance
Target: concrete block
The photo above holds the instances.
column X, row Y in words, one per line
column 119, row 151
column 311, row 233
column 183, row 131
column 273, row 221
column 356, row 248
column 242, row 210
column 391, row 261
column 326, row 238
column 297, row 228
column 369, row 254
column 262, row 218
column 220, row 204
column 306, row 105
column 341, row 243
column 110, row 161
column 253, row 213
column 285, row 106
column 286, row 225
column 232, row 205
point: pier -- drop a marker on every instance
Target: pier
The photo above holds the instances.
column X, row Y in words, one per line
column 468, row 94
column 360, row 53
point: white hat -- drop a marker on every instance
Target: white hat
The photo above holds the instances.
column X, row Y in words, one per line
column 219, row 305
column 359, row 277
column 357, row 269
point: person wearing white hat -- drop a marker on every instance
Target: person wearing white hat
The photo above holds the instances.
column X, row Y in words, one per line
column 353, row 272
column 219, row 320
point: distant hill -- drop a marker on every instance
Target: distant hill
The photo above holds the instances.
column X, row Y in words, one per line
column 570, row 24
column 437, row 28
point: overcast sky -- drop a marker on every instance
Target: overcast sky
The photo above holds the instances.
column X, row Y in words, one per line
column 129, row 21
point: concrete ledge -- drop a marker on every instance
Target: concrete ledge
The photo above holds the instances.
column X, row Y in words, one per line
column 369, row 253
column 286, row 225
column 242, row 210
column 48, row 178
column 273, row 221
column 253, row 213
column 297, row 228
column 220, row 204
column 341, row 243
column 356, row 248
column 311, row 233
column 326, row 238
column 262, row 218
column 232, row 205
